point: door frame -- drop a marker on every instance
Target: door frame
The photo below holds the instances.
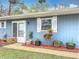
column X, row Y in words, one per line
column 17, row 27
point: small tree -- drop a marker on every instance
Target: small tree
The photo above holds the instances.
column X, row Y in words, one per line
column 22, row 8
column 11, row 3
column 40, row 6
column 17, row 11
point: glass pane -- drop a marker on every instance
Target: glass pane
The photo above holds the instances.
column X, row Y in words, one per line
column 2, row 24
column 46, row 24
column 14, row 29
column 21, row 30
column 20, row 33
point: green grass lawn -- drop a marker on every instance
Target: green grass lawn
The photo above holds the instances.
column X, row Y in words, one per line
column 19, row 54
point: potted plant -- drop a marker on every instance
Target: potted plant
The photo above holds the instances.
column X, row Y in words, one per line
column 49, row 34
column 37, row 42
column 71, row 44
column 50, row 31
column 57, row 43
column 30, row 35
column 29, row 41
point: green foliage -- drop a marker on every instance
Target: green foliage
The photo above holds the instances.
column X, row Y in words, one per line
column 31, row 35
column 50, row 30
column 39, row 7
column 71, row 44
column 20, row 54
column 23, row 6
column 72, row 41
column 17, row 11
column 57, row 43
column 48, row 35
column 33, row 9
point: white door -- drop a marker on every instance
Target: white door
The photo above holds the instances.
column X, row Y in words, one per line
column 19, row 30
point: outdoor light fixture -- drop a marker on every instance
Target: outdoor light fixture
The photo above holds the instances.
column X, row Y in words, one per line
column 28, row 22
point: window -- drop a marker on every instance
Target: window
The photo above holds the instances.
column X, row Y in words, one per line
column 20, row 29
column 46, row 24
column 2, row 24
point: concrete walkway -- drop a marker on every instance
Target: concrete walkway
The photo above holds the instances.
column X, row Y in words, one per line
column 42, row 50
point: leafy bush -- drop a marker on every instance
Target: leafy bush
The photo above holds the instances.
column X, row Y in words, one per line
column 57, row 43
column 31, row 35
column 71, row 44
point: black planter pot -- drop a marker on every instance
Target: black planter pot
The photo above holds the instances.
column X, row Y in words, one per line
column 37, row 43
column 70, row 45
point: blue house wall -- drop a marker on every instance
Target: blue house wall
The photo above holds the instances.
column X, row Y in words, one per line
column 67, row 29
column 31, row 26
column 8, row 30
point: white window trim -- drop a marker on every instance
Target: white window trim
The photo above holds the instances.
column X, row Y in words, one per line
column 39, row 24
column 54, row 25
column 4, row 24
column 45, row 19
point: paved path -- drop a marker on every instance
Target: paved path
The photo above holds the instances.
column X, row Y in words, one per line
column 42, row 50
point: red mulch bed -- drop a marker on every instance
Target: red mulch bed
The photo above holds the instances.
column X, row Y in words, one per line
column 2, row 43
column 76, row 50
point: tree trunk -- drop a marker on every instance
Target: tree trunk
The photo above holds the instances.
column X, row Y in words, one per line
column 9, row 9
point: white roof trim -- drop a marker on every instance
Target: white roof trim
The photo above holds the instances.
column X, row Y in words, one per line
column 43, row 14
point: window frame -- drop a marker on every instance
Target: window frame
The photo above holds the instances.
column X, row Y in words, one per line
column 46, row 19
column 1, row 24
column 54, row 22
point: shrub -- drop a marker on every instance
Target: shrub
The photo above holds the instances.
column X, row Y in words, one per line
column 57, row 43
column 71, row 44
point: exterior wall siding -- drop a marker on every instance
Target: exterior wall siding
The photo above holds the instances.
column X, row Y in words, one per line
column 8, row 30
column 31, row 26
column 67, row 29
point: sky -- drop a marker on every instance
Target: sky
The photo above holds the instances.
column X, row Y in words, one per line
column 49, row 2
